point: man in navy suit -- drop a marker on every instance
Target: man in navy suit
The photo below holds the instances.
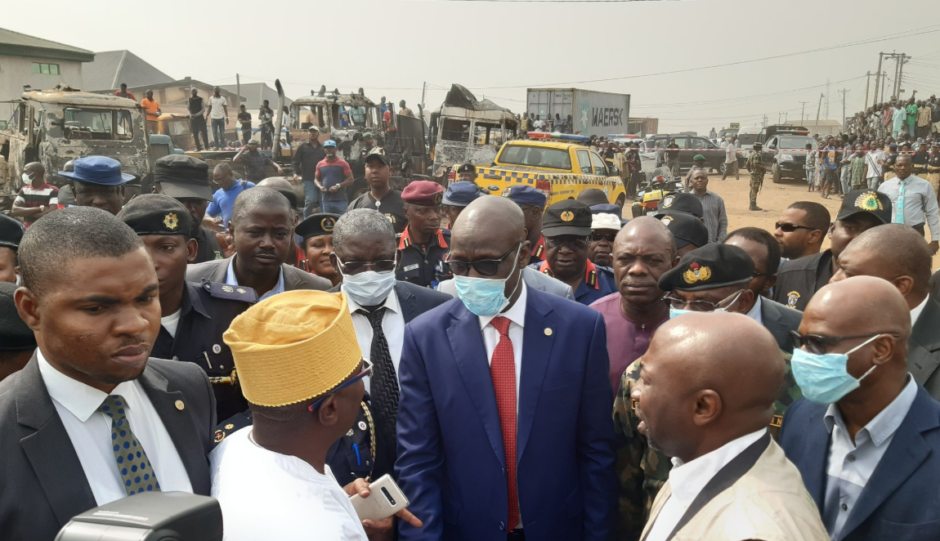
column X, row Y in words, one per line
column 868, row 442
column 504, row 427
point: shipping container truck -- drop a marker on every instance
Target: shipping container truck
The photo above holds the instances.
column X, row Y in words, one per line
column 585, row 112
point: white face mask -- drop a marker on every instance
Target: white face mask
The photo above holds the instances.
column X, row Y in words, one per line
column 26, row 178
column 368, row 288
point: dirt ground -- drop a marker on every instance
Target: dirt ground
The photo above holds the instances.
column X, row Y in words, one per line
column 773, row 198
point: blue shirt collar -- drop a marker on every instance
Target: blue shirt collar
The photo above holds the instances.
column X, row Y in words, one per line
column 231, row 280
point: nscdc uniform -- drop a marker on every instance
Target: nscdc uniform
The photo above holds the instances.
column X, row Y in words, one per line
column 525, row 195
column 206, row 309
column 573, row 218
column 424, row 265
column 185, row 178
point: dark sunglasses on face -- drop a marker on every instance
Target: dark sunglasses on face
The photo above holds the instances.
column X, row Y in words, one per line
column 484, row 267
column 366, row 371
column 790, row 228
column 355, row 267
column 597, row 236
column 819, row 344
column 573, row 243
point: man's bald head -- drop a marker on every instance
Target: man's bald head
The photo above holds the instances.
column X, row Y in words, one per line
column 708, row 379
column 277, row 183
column 893, row 252
column 489, row 219
column 647, row 227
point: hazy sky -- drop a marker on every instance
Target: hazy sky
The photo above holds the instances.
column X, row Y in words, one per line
column 497, row 49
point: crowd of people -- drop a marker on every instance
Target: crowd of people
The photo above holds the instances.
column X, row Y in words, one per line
column 912, row 119
column 521, row 368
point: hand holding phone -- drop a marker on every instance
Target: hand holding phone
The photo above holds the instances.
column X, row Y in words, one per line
column 384, row 500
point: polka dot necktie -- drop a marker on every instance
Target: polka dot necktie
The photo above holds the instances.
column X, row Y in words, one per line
column 503, row 372
column 129, row 454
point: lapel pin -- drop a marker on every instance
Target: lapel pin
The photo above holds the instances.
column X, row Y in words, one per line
column 362, row 425
column 179, row 405
column 216, row 349
column 548, row 331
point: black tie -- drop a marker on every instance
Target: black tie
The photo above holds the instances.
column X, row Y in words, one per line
column 384, row 385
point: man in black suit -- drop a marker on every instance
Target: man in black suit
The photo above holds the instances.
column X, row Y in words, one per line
column 263, row 233
column 898, row 254
column 364, row 253
column 91, row 418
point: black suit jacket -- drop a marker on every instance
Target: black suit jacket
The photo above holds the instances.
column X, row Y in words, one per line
column 294, row 278
column 923, row 349
column 780, row 320
column 42, row 483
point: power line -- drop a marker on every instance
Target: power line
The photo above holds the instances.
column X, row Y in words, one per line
column 898, row 35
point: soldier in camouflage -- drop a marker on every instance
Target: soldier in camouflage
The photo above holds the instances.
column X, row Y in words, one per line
column 755, row 164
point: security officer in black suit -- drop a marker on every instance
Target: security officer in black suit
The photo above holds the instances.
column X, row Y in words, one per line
column 194, row 316
column 424, row 248
column 186, row 179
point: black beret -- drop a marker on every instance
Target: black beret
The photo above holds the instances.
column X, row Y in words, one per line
column 316, row 225
column 466, row 168
column 682, row 202
column 183, row 177
column 686, row 229
column 14, row 334
column 710, row 267
column 568, row 217
column 11, row 232
column 157, row 214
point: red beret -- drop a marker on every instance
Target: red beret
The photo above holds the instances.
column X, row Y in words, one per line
column 424, row 193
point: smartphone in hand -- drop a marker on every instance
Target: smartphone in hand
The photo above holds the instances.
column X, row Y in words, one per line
column 385, row 499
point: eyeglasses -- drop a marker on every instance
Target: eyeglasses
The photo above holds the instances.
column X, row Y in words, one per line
column 597, row 236
column 366, row 371
column 790, row 228
column 703, row 306
column 819, row 344
column 573, row 243
column 484, row 267
column 355, row 267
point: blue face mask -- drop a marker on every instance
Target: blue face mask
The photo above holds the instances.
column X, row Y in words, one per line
column 823, row 377
column 485, row 296
column 675, row 312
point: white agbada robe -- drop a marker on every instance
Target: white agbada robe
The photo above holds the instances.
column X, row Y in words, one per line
column 267, row 495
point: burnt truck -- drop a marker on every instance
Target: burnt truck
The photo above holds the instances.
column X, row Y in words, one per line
column 344, row 118
column 467, row 130
column 55, row 126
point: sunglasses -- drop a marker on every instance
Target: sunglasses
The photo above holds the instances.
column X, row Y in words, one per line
column 819, row 344
column 484, row 267
column 597, row 236
column 702, row 306
column 355, row 267
column 573, row 243
column 790, row 228
column 366, row 371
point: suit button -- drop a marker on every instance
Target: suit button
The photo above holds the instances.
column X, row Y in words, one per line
column 502, row 526
column 845, row 507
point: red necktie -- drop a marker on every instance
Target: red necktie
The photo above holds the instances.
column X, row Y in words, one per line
column 503, row 371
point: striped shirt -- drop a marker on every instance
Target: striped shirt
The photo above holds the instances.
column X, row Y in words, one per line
column 32, row 197
column 713, row 211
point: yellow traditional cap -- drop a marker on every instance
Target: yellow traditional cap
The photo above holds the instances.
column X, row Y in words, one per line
column 293, row 346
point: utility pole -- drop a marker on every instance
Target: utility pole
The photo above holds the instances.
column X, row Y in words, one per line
column 884, row 83
column 897, row 68
column 844, row 120
column 867, row 84
column 424, row 90
column 238, row 90
column 827, row 99
column 802, row 110
column 904, row 60
column 818, row 109
column 877, row 79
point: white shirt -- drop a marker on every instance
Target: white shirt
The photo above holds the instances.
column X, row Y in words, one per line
column 267, row 495
column 90, row 432
column 850, row 465
column 217, row 104
column 915, row 313
column 688, row 479
column 516, row 317
column 393, row 326
column 754, row 312
column 871, row 158
column 231, row 280
column 171, row 321
column 920, row 202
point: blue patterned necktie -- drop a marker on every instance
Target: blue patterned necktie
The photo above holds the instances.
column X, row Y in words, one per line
column 129, row 455
column 899, row 206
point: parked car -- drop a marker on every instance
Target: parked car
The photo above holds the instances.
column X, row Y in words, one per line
column 786, row 155
column 689, row 147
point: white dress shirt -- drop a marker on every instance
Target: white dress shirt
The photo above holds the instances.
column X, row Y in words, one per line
column 393, row 325
column 232, row 280
column 171, row 322
column 267, row 495
column 920, row 202
column 915, row 313
column 90, row 432
column 687, row 479
column 850, row 465
column 516, row 317
column 755, row 311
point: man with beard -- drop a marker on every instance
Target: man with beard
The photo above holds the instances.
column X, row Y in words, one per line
column 193, row 316
column 705, row 397
column 604, row 228
column 92, row 418
column 262, row 233
column 801, row 229
column 798, row 280
column 185, row 179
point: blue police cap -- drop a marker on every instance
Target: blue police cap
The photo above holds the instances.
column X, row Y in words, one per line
column 11, row 232
column 522, row 194
column 606, row 208
column 461, row 194
column 98, row 170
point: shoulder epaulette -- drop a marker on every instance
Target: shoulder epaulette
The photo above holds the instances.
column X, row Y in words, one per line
column 219, row 290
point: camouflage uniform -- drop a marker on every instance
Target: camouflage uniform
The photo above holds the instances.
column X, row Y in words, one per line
column 755, row 164
column 642, row 471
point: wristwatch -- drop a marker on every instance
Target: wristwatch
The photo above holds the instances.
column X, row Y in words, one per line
column 42, row 208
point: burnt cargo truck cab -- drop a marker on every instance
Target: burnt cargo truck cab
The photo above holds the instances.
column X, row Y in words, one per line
column 55, row 126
